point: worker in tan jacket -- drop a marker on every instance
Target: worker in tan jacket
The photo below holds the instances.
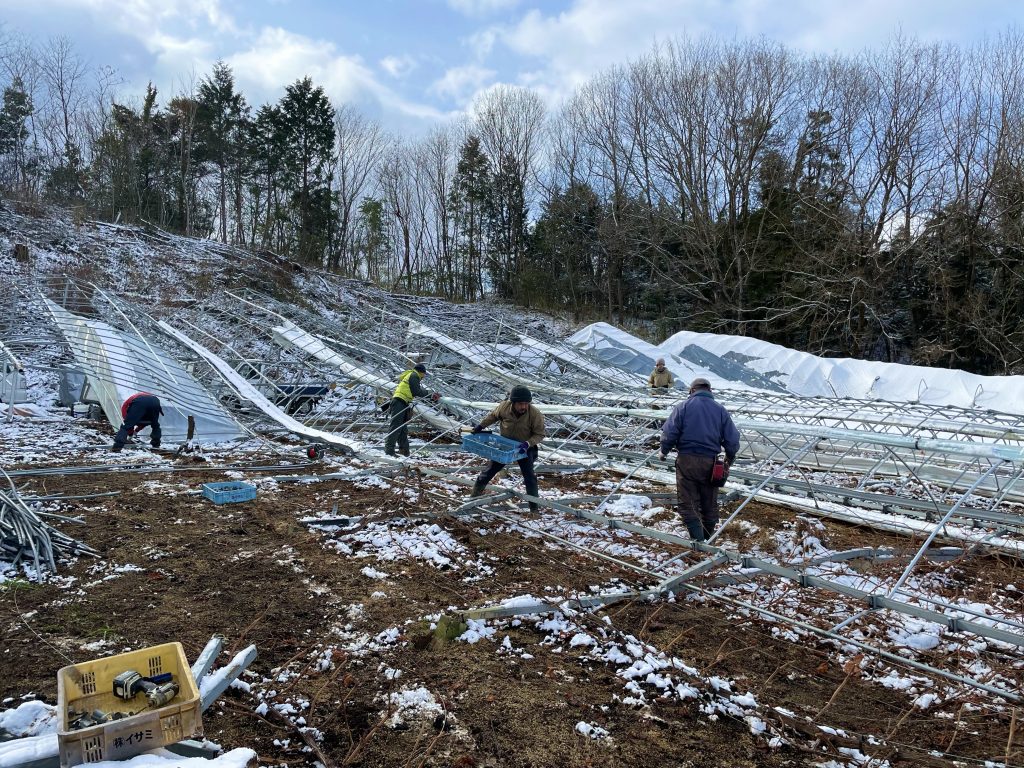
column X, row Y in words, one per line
column 660, row 376
column 519, row 420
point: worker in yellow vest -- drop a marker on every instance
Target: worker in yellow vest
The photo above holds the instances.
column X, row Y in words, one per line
column 401, row 408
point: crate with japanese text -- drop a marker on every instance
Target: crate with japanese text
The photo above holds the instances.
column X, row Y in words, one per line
column 98, row 724
column 493, row 447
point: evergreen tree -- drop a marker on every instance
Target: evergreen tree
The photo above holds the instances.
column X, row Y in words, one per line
column 221, row 139
column 564, row 251
column 307, row 132
column 134, row 167
column 17, row 108
column 470, row 203
column 267, row 148
column 506, row 228
column 371, row 240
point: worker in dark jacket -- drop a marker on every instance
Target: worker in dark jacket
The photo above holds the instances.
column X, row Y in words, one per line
column 137, row 412
column 519, row 420
column 401, row 408
column 698, row 429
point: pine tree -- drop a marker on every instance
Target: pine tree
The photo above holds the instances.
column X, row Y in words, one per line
column 506, row 228
column 17, row 108
column 223, row 114
column 469, row 204
column 307, row 122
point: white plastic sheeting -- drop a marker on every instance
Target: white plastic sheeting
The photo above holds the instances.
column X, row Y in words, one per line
column 605, row 374
column 806, row 374
column 624, row 350
column 12, row 379
column 248, row 392
column 118, row 365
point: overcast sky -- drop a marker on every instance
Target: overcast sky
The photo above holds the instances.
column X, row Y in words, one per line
column 414, row 62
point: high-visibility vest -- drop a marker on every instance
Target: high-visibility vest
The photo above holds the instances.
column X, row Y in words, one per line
column 403, row 391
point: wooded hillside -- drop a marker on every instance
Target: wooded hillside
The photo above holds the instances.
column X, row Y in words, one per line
column 867, row 206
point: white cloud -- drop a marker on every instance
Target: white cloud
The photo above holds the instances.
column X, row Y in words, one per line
column 459, row 83
column 278, row 58
column 398, row 66
column 565, row 48
column 551, row 47
column 481, row 7
column 592, row 35
column 143, row 17
column 481, row 42
column 183, row 37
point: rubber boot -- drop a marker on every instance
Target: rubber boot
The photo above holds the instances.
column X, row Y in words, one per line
column 533, row 489
column 478, row 488
column 709, row 529
column 696, row 529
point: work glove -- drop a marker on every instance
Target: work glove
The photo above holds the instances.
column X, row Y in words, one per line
column 524, row 446
column 436, row 396
column 477, row 429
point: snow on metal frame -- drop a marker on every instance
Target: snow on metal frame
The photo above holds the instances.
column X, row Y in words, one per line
column 290, row 335
column 246, row 391
column 531, row 376
column 836, row 452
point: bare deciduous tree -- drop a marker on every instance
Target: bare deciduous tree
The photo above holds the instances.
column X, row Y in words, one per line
column 360, row 146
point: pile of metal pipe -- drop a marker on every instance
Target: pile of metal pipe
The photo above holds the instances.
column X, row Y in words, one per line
column 26, row 539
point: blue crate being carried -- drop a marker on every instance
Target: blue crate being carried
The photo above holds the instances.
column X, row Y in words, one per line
column 493, row 447
column 229, row 493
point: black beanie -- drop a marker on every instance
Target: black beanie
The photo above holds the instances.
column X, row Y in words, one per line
column 520, row 394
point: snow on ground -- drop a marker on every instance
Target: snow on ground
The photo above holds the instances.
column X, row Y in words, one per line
column 644, row 673
column 35, row 725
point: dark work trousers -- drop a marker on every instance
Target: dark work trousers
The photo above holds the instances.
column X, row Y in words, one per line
column 525, row 466
column 143, row 411
column 398, row 429
column 698, row 499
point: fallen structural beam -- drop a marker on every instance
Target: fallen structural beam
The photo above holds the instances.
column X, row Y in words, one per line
column 249, row 393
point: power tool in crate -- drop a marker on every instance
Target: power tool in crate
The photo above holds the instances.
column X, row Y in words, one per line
column 159, row 689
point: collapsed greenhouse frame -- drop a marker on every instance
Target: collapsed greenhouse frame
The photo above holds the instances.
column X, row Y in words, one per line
column 928, row 472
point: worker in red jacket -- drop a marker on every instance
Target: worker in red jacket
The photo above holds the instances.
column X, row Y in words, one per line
column 138, row 411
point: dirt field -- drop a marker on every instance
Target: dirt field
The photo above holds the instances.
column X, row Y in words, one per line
column 252, row 573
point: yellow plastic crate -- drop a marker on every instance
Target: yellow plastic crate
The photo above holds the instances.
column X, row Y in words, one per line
column 90, row 686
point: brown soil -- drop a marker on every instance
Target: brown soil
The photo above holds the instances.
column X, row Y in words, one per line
column 252, row 573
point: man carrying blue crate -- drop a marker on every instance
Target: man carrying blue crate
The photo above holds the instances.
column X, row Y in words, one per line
column 401, row 408
column 521, row 421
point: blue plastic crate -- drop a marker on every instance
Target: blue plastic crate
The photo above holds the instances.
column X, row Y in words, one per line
column 493, row 447
column 229, row 493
